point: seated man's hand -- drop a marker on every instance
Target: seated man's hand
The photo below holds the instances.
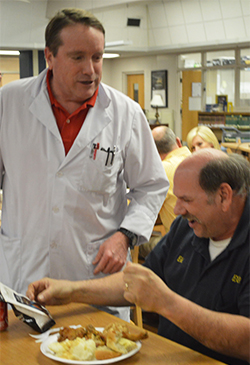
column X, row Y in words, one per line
column 144, row 288
column 50, row 291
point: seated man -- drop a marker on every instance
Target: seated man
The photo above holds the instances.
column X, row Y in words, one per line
column 172, row 153
column 197, row 277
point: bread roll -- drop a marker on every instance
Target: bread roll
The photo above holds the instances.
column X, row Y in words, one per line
column 104, row 353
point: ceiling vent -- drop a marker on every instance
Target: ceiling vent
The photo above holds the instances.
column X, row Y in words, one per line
column 133, row 22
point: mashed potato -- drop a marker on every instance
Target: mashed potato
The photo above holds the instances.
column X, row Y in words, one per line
column 78, row 349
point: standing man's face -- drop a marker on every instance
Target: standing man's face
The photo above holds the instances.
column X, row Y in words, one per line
column 77, row 67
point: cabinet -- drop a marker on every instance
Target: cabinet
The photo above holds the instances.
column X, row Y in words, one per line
column 219, row 121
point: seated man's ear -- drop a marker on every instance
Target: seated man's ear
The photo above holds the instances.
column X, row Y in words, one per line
column 178, row 142
column 226, row 196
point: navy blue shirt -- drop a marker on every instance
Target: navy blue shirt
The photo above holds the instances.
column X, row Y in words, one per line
column 182, row 261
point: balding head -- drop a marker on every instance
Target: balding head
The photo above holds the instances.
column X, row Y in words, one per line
column 165, row 140
column 158, row 132
column 200, row 158
column 211, row 168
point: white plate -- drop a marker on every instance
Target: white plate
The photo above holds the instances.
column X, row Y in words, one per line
column 53, row 338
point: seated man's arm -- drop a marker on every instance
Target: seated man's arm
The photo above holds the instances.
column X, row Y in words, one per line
column 104, row 291
column 225, row 333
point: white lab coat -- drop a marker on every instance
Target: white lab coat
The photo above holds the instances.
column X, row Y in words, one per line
column 58, row 210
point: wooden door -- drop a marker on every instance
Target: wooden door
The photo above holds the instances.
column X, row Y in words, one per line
column 135, row 88
column 189, row 117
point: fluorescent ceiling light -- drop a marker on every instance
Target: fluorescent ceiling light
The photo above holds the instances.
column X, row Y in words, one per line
column 9, row 53
column 118, row 43
column 17, row 53
column 110, row 55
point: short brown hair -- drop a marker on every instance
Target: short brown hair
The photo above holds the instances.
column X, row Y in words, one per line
column 232, row 169
column 64, row 18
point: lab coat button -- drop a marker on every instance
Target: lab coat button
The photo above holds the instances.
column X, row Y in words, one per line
column 55, row 209
column 59, row 174
column 53, row 244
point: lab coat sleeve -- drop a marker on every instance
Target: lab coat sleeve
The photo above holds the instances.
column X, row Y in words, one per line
column 146, row 179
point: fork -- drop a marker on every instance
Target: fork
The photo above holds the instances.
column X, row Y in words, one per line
column 43, row 336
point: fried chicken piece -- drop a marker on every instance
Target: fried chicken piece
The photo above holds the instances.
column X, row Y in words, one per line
column 95, row 335
column 71, row 333
column 118, row 328
column 89, row 333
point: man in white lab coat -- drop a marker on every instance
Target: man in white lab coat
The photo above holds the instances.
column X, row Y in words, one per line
column 69, row 148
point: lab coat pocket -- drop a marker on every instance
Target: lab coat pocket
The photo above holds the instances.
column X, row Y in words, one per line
column 99, row 175
column 10, row 256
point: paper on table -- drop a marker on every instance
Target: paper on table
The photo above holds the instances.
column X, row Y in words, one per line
column 28, row 311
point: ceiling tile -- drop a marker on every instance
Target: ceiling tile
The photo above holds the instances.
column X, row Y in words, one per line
column 161, row 37
column 192, row 11
column 99, row 15
column 156, row 16
column 115, row 34
column 174, row 13
column 178, row 34
column 115, row 18
column 234, row 29
column 245, row 7
column 134, row 11
column 196, row 33
column 247, row 22
column 151, row 40
column 230, row 8
column 215, row 31
column 210, row 10
column 139, row 37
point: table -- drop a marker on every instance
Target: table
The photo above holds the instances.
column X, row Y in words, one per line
column 242, row 148
column 18, row 348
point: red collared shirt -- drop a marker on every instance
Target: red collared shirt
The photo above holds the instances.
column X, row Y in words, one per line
column 68, row 124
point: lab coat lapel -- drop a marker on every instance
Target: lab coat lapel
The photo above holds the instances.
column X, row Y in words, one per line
column 45, row 115
column 41, row 108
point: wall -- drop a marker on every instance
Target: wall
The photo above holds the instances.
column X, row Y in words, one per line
column 107, row 72
column 9, row 66
column 115, row 73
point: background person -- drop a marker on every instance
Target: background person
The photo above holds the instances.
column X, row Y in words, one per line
column 197, row 277
column 68, row 150
column 172, row 153
column 202, row 137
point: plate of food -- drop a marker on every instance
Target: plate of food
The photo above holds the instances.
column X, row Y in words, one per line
column 92, row 346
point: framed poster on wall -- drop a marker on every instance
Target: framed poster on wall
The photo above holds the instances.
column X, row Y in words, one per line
column 159, row 85
column 221, row 100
